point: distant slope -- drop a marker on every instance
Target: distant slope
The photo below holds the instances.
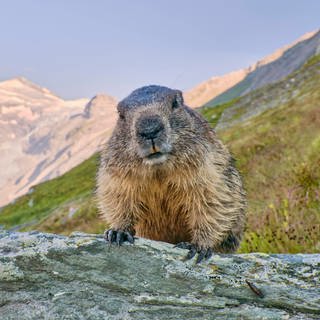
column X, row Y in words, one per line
column 260, row 100
column 271, row 70
column 220, row 89
column 207, row 90
column 278, row 153
column 60, row 205
column 43, row 136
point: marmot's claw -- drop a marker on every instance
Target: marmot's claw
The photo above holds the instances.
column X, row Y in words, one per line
column 183, row 245
column 209, row 254
column 193, row 249
column 129, row 237
column 118, row 236
column 192, row 252
column 109, row 235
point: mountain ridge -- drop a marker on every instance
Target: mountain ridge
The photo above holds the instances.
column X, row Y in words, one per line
column 42, row 135
column 277, row 152
column 205, row 92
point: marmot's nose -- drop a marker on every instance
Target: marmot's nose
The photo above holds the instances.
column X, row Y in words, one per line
column 149, row 127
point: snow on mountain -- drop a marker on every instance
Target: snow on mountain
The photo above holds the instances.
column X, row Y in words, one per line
column 42, row 136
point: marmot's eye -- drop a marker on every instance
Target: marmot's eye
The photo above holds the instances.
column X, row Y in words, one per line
column 175, row 104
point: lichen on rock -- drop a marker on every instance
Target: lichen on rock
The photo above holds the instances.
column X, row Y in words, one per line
column 46, row 276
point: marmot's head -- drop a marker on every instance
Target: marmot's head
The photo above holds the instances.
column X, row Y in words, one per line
column 155, row 126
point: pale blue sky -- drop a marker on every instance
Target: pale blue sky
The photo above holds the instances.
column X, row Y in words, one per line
column 80, row 48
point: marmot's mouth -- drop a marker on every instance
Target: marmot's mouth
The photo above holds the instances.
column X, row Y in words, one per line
column 155, row 158
column 155, row 155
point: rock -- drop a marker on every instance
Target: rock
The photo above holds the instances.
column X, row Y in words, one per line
column 47, row 276
column 99, row 106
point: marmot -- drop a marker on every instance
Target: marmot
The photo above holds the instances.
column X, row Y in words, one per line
column 164, row 175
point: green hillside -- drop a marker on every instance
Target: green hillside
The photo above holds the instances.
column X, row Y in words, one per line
column 278, row 153
column 231, row 93
column 60, row 205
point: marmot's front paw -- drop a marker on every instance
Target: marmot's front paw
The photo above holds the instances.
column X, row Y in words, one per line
column 118, row 236
column 193, row 249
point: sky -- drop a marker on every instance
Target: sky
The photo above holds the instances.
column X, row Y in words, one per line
column 78, row 48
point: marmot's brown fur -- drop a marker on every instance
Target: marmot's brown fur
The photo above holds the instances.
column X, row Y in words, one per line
column 164, row 175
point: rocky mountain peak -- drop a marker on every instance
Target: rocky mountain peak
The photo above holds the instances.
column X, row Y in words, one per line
column 99, row 105
column 15, row 82
column 21, row 92
column 43, row 136
column 293, row 54
column 279, row 52
column 21, row 83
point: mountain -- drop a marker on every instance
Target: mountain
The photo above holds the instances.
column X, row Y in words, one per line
column 207, row 90
column 42, row 136
column 268, row 70
column 277, row 152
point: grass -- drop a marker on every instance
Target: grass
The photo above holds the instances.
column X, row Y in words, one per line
column 277, row 152
column 214, row 113
column 231, row 94
column 312, row 61
column 60, row 205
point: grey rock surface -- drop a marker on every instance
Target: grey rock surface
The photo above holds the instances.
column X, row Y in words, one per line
column 46, row 276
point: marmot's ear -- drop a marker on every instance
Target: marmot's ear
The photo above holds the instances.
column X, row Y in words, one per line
column 178, row 99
